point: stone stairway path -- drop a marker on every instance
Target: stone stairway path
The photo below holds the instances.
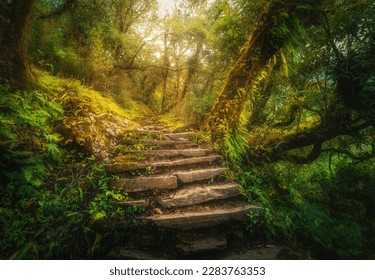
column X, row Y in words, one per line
column 191, row 207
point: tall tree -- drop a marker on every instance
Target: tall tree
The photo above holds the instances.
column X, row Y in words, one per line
column 328, row 100
column 279, row 22
column 14, row 19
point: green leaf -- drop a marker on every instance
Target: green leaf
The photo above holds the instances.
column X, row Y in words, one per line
column 53, row 151
column 80, row 194
column 99, row 215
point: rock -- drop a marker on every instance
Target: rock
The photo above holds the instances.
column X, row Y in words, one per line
column 130, row 254
column 130, row 166
column 185, row 161
column 198, row 194
column 202, row 218
column 133, row 202
column 155, row 143
column 199, row 175
column 203, row 245
column 146, row 183
column 262, row 253
column 169, row 153
column 180, row 135
column 96, row 133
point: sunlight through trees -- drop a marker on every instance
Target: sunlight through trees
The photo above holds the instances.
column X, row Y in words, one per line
column 283, row 90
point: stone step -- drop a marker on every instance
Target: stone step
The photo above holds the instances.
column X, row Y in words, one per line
column 166, row 135
column 166, row 182
column 202, row 217
column 178, row 136
column 153, row 142
column 198, row 194
column 205, row 244
column 130, row 166
column 192, row 176
column 131, row 254
column 169, row 153
column 160, row 144
column 151, row 132
column 133, row 202
column 161, row 128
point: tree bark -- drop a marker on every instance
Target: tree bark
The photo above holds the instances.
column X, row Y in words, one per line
column 14, row 19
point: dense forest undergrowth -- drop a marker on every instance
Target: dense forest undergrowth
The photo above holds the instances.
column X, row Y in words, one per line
column 53, row 141
column 288, row 101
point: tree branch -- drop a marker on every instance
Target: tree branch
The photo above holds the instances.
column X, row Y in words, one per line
column 294, row 109
column 315, row 137
column 361, row 157
column 314, row 154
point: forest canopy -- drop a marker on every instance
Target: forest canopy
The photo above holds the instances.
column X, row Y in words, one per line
column 283, row 89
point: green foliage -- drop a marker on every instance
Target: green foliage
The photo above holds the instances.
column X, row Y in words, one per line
column 48, row 190
column 90, row 39
column 233, row 22
column 200, row 106
column 26, row 139
column 172, row 121
column 92, row 120
column 236, row 143
column 324, row 209
column 51, row 198
column 320, row 214
column 41, row 225
column 52, row 53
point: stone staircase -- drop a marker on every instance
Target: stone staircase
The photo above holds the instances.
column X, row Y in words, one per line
column 191, row 207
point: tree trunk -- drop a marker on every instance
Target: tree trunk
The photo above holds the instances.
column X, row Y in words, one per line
column 262, row 44
column 14, row 19
column 193, row 65
column 165, row 74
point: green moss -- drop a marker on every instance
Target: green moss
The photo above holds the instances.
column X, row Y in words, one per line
column 92, row 119
column 173, row 122
column 64, row 90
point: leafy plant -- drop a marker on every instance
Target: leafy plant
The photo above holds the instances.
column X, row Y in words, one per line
column 51, row 198
column 320, row 214
column 200, row 106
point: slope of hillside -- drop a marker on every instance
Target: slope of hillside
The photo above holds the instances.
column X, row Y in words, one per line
column 53, row 139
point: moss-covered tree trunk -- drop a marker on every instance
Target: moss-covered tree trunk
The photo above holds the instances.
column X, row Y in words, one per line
column 165, row 74
column 193, row 66
column 14, row 18
column 266, row 39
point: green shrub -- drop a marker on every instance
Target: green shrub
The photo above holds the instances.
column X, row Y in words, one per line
column 200, row 106
column 51, row 198
column 320, row 211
